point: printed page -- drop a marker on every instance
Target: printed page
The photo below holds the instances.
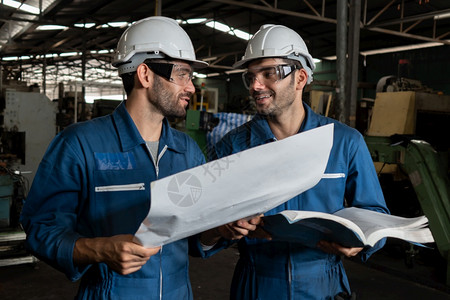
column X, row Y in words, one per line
column 234, row 187
column 370, row 221
column 377, row 225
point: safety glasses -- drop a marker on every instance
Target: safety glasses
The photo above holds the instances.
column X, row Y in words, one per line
column 178, row 74
column 267, row 75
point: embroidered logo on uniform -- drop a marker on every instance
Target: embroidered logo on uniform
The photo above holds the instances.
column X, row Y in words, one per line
column 184, row 190
column 115, row 161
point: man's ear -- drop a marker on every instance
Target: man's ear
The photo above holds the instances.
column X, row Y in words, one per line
column 302, row 78
column 144, row 75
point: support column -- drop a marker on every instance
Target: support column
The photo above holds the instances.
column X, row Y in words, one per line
column 44, row 73
column 341, row 53
column 353, row 61
column 158, row 7
column 1, row 79
column 83, row 88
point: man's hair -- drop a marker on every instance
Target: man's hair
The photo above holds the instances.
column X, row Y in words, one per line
column 128, row 82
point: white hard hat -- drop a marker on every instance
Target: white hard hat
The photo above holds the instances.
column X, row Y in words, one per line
column 153, row 37
column 278, row 41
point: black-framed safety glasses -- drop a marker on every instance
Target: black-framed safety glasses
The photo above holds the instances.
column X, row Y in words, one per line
column 267, row 74
column 178, row 74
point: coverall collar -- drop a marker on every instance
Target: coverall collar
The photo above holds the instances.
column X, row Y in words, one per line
column 261, row 132
column 130, row 137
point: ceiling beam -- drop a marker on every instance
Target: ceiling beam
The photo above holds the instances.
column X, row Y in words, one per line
column 408, row 35
column 277, row 10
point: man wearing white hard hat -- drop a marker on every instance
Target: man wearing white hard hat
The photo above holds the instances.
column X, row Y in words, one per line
column 92, row 189
column 278, row 67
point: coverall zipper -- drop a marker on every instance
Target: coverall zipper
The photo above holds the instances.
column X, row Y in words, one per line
column 156, row 164
column 290, row 275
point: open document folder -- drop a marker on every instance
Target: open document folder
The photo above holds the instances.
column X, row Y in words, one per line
column 244, row 184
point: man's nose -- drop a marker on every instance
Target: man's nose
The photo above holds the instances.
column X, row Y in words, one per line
column 190, row 87
column 257, row 84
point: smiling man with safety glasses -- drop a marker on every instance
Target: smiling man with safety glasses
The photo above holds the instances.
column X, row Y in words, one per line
column 278, row 67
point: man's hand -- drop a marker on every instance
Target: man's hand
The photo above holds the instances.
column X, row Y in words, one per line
column 334, row 248
column 119, row 252
column 235, row 231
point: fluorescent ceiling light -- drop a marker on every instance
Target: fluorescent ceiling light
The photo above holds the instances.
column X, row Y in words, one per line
column 199, row 75
column 219, row 26
column 30, row 9
column 20, row 6
column 227, row 29
column 442, row 16
column 192, row 21
column 51, row 27
column 401, row 48
column 68, row 54
column 10, row 58
column 115, row 24
column 213, row 74
column 85, row 25
column 234, row 71
column 242, row 34
column 395, row 49
column 11, row 3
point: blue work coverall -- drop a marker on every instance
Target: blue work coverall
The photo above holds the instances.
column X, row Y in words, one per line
column 280, row 270
column 94, row 181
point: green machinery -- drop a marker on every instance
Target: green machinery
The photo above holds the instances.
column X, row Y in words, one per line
column 198, row 123
column 429, row 178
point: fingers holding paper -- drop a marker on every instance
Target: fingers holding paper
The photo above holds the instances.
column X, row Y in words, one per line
column 250, row 227
column 119, row 252
column 334, row 248
column 240, row 228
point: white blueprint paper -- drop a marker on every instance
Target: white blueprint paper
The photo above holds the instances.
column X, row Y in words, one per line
column 234, row 187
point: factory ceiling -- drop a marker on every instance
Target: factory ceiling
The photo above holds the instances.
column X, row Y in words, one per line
column 90, row 29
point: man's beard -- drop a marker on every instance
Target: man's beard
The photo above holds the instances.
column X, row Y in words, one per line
column 280, row 101
column 166, row 101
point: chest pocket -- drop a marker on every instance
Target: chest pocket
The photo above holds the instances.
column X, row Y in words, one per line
column 121, row 187
column 121, row 200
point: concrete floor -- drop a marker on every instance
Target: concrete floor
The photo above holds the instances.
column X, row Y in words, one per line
column 385, row 277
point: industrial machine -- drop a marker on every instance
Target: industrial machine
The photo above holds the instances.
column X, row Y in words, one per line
column 405, row 140
column 428, row 177
column 27, row 125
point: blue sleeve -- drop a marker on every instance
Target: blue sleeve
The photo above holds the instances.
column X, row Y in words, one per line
column 363, row 189
column 49, row 215
column 196, row 249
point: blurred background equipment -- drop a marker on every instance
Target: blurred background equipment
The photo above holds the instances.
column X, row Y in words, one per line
column 27, row 127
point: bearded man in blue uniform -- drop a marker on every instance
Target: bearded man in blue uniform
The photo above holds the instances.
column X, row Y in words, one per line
column 279, row 66
column 92, row 188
